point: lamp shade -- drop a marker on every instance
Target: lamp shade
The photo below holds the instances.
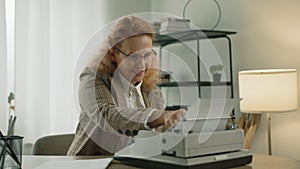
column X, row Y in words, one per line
column 270, row 90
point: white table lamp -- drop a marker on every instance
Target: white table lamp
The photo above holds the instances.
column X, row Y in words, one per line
column 269, row 90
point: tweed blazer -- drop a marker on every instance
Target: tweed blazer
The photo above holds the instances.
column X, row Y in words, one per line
column 106, row 123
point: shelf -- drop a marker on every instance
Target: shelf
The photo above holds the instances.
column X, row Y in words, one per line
column 175, row 84
column 194, row 84
column 163, row 40
column 197, row 35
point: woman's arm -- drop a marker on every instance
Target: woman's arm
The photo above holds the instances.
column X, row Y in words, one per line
column 97, row 103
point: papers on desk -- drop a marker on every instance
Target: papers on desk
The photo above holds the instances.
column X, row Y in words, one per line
column 77, row 164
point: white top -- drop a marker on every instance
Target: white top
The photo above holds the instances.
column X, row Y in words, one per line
column 128, row 88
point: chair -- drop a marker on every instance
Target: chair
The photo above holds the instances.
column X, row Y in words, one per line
column 53, row 144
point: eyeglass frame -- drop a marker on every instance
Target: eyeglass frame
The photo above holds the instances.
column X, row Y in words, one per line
column 119, row 50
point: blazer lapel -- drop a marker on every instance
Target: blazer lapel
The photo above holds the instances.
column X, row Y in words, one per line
column 146, row 93
column 118, row 93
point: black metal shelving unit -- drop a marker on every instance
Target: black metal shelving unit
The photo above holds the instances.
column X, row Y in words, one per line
column 190, row 35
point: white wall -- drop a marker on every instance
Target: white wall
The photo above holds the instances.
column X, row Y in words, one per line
column 268, row 37
column 3, row 70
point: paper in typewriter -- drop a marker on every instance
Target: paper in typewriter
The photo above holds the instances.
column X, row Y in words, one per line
column 206, row 116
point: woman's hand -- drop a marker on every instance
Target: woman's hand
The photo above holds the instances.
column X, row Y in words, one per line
column 168, row 119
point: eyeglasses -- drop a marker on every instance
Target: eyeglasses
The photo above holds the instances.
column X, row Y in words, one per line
column 136, row 55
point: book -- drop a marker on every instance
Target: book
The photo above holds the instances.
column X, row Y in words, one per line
column 173, row 29
column 174, row 20
column 171, row 25
column 166, row 32
column 175, row 25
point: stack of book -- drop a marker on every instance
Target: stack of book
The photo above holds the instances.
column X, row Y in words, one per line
column 171, row 25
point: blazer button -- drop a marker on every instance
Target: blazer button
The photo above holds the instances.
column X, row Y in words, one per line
column 127, row 132
column 135, row 132
column 120, row 131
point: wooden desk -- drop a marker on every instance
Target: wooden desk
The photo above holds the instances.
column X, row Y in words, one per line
column 271, row 162
column 259, row 162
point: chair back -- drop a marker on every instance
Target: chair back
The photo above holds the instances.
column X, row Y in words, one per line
column 53, row 144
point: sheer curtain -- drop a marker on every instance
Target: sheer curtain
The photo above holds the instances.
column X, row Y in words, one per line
column 3, row 70
column 49, row 37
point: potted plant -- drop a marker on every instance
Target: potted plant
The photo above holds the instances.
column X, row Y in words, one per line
column 216, row 71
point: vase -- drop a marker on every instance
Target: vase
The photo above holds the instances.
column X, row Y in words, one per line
column 217, row 77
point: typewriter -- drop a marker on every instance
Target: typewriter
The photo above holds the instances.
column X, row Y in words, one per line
column 200, row 140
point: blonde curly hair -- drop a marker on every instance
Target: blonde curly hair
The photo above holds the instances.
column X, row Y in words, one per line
column 125, row 27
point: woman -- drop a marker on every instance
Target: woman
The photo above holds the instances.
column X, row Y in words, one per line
column 119, row 97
